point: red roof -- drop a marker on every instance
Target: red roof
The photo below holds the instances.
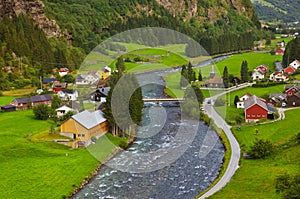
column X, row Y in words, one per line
column 63, row 70
column 262, row 68
column 289, row 69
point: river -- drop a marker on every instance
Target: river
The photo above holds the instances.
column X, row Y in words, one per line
column 184, row 169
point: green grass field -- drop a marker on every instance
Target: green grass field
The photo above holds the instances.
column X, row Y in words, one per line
column 40, row 169
column 255, row 178
column 234, row 63
column 6, row 100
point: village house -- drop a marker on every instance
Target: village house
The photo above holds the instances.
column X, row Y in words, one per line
column 67, row 95
column 278, row 99
column 8, row 108
column 280, row 51
column 84, row 126
column 291, row 69
column 104, row 72
column 240, row 104
column 73, row 107
column 279, row 76
column 63, row 71
column 100, row 94
column 22, row 103
column 256, row 109
column 291, row 90
column 280, row 44
column 293, row 100
column 47, row 82
column 259, row 72
column 87, row 79
column 57, row 86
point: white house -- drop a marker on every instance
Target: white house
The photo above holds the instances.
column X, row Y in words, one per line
column 240, row 104
column 295, row 64
column 63, row 71
column 279, row 76
column 87, row 79
column 259, row 72
column 66, row 95
column 63, row 110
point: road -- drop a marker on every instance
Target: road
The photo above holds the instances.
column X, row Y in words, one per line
column 235, row 148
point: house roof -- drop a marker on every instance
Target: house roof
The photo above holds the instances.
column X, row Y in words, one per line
column 48, row 80
column 64, row 70
column 288, row 88
column 8, row 106
column 88, row 119
column 261, row 68
column 254, row 100
column 41, row 98
column 271, row 108
column 68, row 91
column 278, row 66
column 215, row 80
column 279, row 96
column 64, row 107
column 38, row 98
column 104, row 90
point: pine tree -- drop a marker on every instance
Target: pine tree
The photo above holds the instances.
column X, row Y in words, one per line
column 236, row 100
column 244, row 72
column 184, row 77
column 120, row 65
column 225, row 77
column 200, row 75
column 191, row 76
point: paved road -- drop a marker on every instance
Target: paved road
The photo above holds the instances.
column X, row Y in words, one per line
column 235, row 148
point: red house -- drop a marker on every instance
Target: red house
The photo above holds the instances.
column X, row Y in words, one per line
column 279, row 51
column 256, row 109
column 56, row 87
column 290, row 70
column 291, row 90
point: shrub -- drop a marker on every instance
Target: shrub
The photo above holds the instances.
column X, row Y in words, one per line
column 41, row 111
column 261, row 149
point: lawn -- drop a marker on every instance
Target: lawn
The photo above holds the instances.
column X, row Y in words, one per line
column 19, row 92
column 6, row 99
column 234, row 62
column 255, row 178
column 38, row 169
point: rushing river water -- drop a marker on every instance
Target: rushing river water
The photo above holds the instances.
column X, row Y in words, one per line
column 183, row 177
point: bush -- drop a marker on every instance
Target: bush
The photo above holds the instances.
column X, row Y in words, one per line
column 41, row 111
column 261, row 149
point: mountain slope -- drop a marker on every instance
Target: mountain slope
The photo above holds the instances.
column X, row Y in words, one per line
column 90, row 21
column 277, row 10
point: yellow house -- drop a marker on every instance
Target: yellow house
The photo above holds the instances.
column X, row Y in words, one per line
column 105, row 72
column 83, row 126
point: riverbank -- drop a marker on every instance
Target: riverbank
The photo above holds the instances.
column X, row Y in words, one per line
column 95, row 172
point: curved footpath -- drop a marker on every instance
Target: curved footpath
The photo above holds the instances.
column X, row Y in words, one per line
column 235, row 148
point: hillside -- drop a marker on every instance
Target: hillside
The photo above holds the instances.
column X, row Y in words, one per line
column 37, row 36
column 277, row 10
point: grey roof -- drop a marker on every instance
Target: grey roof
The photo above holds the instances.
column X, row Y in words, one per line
column 104, row 90
column 254, row 100
column 88, row 119
column 41, row 98
column 68, row 91
column 271, row 108
column 278, row 66
column 279, row 96
column 38, row 98
column 48, row 80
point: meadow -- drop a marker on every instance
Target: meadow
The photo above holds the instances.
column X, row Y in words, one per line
column 255, row 178
column 30, row 167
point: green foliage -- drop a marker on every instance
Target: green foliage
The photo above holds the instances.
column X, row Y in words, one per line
column 41, row 111
column 291, row 52
column 236, row 99
column 225, row 77
column 56, row 102
column 288, row 185
column 244, row 72
column 261, row 149
column 200, row 78
column 184, row 77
